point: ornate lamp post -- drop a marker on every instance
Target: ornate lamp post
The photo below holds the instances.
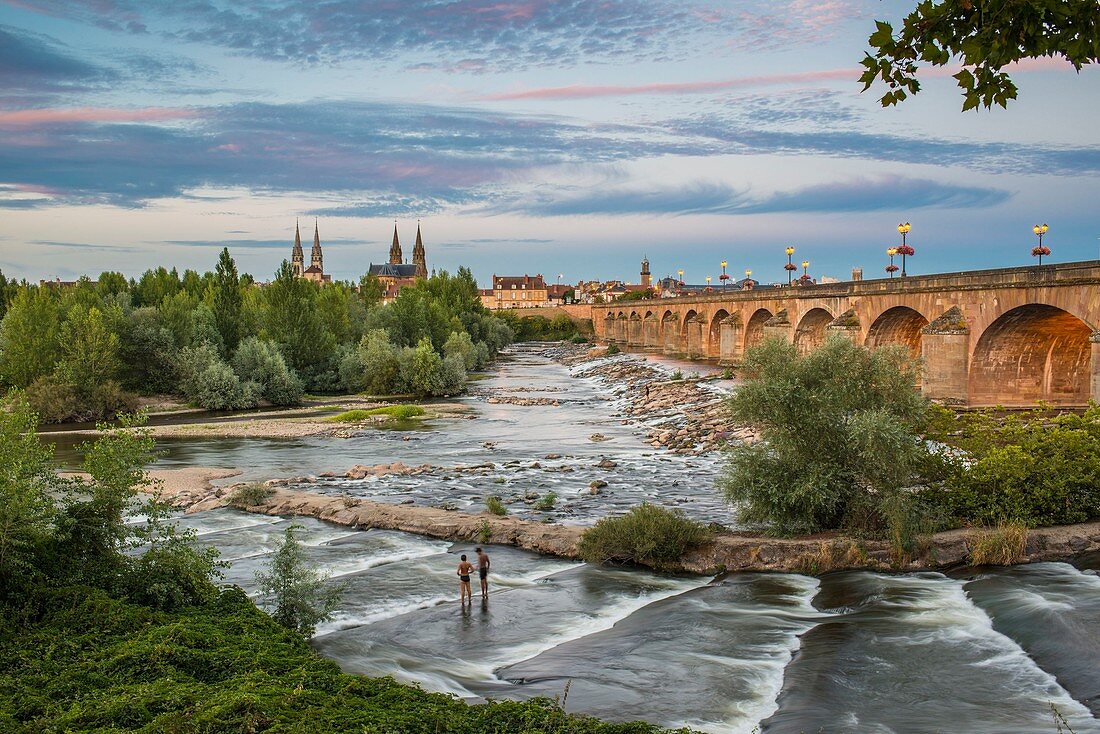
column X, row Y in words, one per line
column 708, row 284
column 892, row 268
column 1040, row 230
column 723, row 277
column 749, row 282
column 790, row 267
column 905, row 249
column 805, row 278
column 680, row 283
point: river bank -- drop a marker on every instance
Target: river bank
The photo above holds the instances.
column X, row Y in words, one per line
column 727, row 552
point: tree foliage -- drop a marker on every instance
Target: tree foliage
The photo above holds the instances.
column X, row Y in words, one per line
column 839, row 432
column 299, row 598
column 986, row 36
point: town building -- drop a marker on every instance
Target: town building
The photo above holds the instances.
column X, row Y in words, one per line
column 397, row 273
column 516, row 291
column 316, row 270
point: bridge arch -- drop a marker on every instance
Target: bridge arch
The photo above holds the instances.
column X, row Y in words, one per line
column 651, row 330
column 898, row 325
column 634, row 329
column 714, row 333
column 1031, row 353
column 754, row 329
column 810, row 333
column 670, row 332
column 692, row 330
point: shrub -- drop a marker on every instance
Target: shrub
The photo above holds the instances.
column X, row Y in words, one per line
column 495, row 506
column 250, row 495
column 612, row 349
column 423, row 370
column 648, row 535
column 298, row 597
column 484, row 532
column 381, row 363
column 677, row 375
column 1029, row 468
column 56, row 400
column 840, row 438
column 579, row 339
column 1002, row 545
column 547, row 501
column 261, row 362
column 459, row 344
column 218, row 388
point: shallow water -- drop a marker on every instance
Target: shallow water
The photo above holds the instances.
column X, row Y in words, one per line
column 977, row 651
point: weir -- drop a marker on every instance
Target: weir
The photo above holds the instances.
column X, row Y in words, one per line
column 1011, row 337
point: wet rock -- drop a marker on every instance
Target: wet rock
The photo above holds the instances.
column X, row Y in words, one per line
column 552, row 456
column 596, row 485
column 606, row 464
column 598, row 437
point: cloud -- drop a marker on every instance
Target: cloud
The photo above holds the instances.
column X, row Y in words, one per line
column 701, row 197
column 279, row 244
column 38, row 64
column 391, row 159
column 461, row 35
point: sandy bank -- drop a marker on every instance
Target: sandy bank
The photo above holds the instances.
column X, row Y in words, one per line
column 727, row 552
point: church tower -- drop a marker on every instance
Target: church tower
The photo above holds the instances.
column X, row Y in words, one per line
column 647, row 279
column 296, row 256
column 419, row 259
column 395, row 248
column 315, row 257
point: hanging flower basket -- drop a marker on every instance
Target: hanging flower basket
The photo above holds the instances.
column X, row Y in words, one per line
column 906, row 250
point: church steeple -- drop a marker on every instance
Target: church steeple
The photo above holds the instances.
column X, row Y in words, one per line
column 647, row 279
column 315, row 256
column 419, row 259
column 395, row 248
column 297, row 257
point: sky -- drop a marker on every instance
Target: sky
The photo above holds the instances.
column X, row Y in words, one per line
column 567, row 137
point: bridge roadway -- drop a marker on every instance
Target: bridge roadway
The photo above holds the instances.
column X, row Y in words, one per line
column 1011, row 337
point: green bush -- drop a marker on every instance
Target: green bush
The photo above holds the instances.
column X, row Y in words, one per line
column 840, row 430
column 1030, row 468
column 261, row 363
column 547, row 501
column 250, row 495
column 495, row 506
column 218, row 388
column 612, row 350
column 648, row 535
column 56, row 400
column 299, row 598
column 537, row 327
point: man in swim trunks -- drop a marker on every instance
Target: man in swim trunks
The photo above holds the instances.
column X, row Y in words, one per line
column 483, row 571
column 465, row 568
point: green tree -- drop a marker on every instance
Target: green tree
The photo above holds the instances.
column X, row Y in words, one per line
column 89, row 350
column 380, row 362
column 174, row 313
column 27, row 484
column 29, row 336
column 6, row 289
column 156, row 285
column 371, row 290
column 147, row 353
column 459, row 344
column 299, row 598
column 839, row 430
column 291, row 320
column 424, row 370
column 225, row 301
column 111, row 284
column 986, row 36
column 260, row 362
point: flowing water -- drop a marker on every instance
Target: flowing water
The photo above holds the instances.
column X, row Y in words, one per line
column 978, row 651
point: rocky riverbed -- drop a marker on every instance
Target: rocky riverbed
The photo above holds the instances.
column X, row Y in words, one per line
column 686, row 415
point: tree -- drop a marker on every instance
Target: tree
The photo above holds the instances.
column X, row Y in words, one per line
column 371, row 290
column 380, row 362
column 423, row 370
column 225, row 301
column 29, row 336
column 260, row 362
column 291, row 320
column 987, row 36
column 298, row 597
column 6, row 290
column 27, row 482
column 89, row 350
column 111, row 284
column 839, row 430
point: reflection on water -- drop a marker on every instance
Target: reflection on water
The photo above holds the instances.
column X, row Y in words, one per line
column 851, row 652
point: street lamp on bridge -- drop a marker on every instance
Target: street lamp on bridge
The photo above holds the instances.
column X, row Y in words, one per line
column 1040, row 230
column 805, row 279
column 724, row 277
column 905, row 249
column 790, row 267
column 892, row 268
column 680, row 282
column 708, row 283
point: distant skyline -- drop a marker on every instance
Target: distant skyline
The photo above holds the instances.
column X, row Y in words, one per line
column 528, row 136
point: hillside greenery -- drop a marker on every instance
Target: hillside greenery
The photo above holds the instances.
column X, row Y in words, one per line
column 223, row 342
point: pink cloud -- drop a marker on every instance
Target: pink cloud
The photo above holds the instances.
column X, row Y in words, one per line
column 50, row 116
column 580, row 91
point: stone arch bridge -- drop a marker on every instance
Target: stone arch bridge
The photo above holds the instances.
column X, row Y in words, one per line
column 1008, row 337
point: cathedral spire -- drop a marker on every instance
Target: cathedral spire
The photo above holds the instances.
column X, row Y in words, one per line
column 419, row 260
column 315, row 256
column 395, row 248
column 296, row 256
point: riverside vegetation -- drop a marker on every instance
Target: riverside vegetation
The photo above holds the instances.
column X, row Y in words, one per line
column 222, row 342
column 848, row 443
column 108, row 625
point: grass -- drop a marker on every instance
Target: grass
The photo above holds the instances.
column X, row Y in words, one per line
column 648, row 535
column 998, row 546
column 495, row 506
column 547, row 501
column 76, row 659
column 397, row 412
column 249, row 495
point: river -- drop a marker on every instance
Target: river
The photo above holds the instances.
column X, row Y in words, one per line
column 979, row 651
